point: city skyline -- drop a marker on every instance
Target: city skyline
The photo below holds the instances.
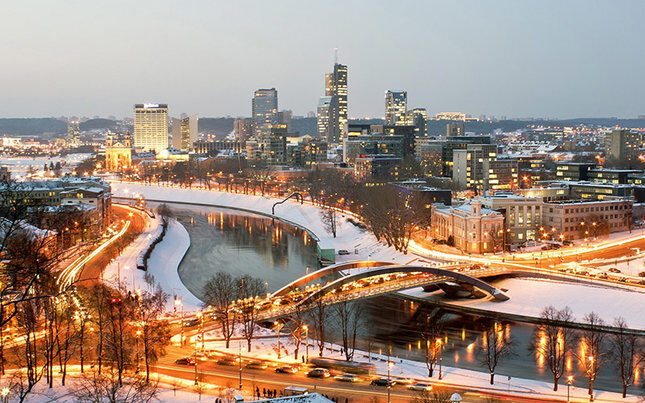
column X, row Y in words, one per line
column 548, row 59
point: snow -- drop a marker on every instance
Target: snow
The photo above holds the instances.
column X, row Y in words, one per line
column 162, row 265
column 528, row 297
column 265, row 348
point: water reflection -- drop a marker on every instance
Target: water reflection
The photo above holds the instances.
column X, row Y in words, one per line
column 226, row 240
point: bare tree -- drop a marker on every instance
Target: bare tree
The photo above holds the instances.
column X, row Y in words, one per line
column 250, row 290
column 627, row 353
column 295, row 326
column 220, row 293
column 120, row 338
column 109, row 387
column 348, row 316
column 431, row 331
column 99, row 300
column 318, row 314
column 594, row 349
column 440, row 396
column 154, row 331
column 495, row 347
column 554, row 339
column 329, row 220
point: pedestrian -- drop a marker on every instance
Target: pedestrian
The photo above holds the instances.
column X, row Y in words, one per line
column 346, row 400
column 264, row 391
column 257, row 391
column 275, row 393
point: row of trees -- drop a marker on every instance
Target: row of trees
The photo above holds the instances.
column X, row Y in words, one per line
column 556, row 340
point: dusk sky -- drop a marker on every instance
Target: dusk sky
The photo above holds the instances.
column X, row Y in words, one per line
column 559, row 59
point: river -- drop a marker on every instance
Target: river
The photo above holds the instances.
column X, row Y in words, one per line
column 242, row 243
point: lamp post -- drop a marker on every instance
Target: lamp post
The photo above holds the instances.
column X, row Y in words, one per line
column 591, row 373
column 181, row 323
column 306, row 329
column 439, row 343
column 200, row 315
column 277, row 325
column 138, row 335
column 5, row 395
column 239, row 360
column 390, row 364
column 569, row 381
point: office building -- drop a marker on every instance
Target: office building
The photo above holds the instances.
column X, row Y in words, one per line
column 151, row 127
column 622, row 147
column 469, row 227
column 264, row 109
column 522, row 216
column 396, row 108
column 470, row 169
column 576, row 219
column 336, row 87
column 73, row 134
column 327, row 119
column 184, row 132
column 242, row 129
column 378, row 167
column 573, row 171
column 418, row 117
column 213, row 148
column 361, row 146
column 455, row 129
column 272, row 144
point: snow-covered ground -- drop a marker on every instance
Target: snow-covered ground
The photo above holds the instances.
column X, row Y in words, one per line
column 162, row 265
column 528, row 297
column 266, row 348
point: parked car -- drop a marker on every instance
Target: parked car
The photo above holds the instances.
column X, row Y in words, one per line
column 191, row 322
column 286, row 369
column 347, row 378
column 614, row 270
column 403, row 381
column 319, row 373
column 185, row 361
column 256, row 365
column 383, row 382
column 343, row 252
column 226, row 361
column 420, row 387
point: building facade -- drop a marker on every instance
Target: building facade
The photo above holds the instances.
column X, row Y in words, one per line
column 418, row 117
column 622, row 146
column 577, row 219
column 242, row 129
column 151, row 127
column 184, row 132
column 396, row 107
column 522, row 215
column 264, row 109
column 336, row 88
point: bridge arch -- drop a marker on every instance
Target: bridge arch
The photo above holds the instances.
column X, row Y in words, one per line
column 449, row 275
column 326, row 271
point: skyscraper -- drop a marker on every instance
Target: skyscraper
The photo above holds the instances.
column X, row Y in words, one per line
column 336, row 87
column 622, row 147
column 455, row 129
column 73, row 133
column 242, row 129
column 418, row 117
column 151, row 127
column 184, row 132
column 328, row 119
column 396, row 107
column 264, row 108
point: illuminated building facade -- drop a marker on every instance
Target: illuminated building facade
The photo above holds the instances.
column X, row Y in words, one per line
column 184, row 132
column 151, row 127
column 396, row 107
column 264, row 109
column 336, row 88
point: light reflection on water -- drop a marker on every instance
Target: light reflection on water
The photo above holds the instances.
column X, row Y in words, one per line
column 240, row 243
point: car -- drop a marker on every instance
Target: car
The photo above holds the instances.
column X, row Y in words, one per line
column 319, row 373
column 420, row 387
column 226, row 361
column 185, row 361
column 286, row 369
column 383, row 382
column 347, row 378
column 191, row 322
column 614, row 270
column 256, row 365
column 403, row 381
column 343, row 252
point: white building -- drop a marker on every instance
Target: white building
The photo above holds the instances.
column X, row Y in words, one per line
column 522, row 215
column 151, row 127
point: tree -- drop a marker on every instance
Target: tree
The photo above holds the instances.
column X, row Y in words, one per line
column 99, row 300
column 120, row 333
column 554, row 339
column 97, row 388
column 348, row 316
column 431, row 331
column 154, row 331
column 250, row 290
column 220, row 293
column 495, row 347
column 441, row 396
column 318, row 314
column 329, row 220
column 594, row 351
column 627, row 352
column 296, row 327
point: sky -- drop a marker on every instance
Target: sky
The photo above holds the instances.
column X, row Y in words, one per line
column 515, row 58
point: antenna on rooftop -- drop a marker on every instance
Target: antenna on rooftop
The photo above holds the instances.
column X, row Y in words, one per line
column 335, row 55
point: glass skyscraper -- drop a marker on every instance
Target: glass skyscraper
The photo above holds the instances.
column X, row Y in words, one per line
column 264, row 108
column 396, row 107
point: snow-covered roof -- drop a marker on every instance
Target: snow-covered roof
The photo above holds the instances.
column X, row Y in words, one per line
column 306, row 398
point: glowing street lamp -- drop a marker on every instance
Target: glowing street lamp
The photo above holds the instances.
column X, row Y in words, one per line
column 569, row 381
column 306, row 329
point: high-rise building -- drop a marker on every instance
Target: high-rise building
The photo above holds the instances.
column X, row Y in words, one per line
column 622, row 147
column 336, row 87
column 327, row 119
column 396, row 108
column 284, row 118
column 242, row 129
column 418, row 117
column 184, row 132
column 73, row 134
column 151, row 127
column 264, row 109
column 454, row 129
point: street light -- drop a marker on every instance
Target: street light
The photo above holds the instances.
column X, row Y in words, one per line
column 440, row 355
column 138, row 335
column 239, row 359
column 5, row 394
column 569, row 381
column 181, row 323
column 306, row 329
column 277, row 324
column 390, row 364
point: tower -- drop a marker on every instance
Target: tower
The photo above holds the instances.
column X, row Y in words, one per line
column 151, row 127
